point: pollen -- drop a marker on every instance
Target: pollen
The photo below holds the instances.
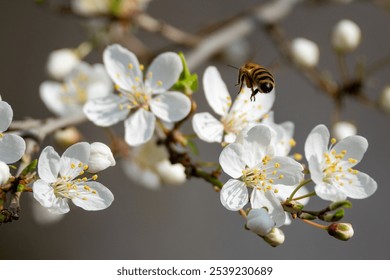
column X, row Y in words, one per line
column 333, row 140
column 137, row 79
column 84, row 198
column 141, row 67
column 352, row 160
column 281, row 176
column 1, row 135
column 94, row 177
column 271, row 181
column 94, row 192
column 117, row 87
column 266, row 116
column 292, row 142
column 72, row 165
column 298, row 156
column 81, row 172
column 276, row 190
column 259, row 107
column 150, row 74
column 277, row 165
column 130, row 66
column 86, row 167
column 274, row 172
column 159, row 83
column 87, row 188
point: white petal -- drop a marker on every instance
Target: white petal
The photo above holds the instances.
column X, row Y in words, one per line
column 171, row 174
column 74, row 159
column 316, row 173
column 4, row 173
column 165, row 70
column 207, row 127
column 100, row 157
column 59, row 206
column 329, row 192
column 267, row 199
column 6, row 115
column 122, row 66
column 256, row 109
column 43, row 193
column 289, row 168
column 106, row 111
column 255, row 144
column 259, row 221
column 42, row 216
column 143, row 177
column 317, row 142
column 234, row 195
column 93, row 196
column 171, row 106
column 139, row 127
column 363, row 187
column 231, row 160
column 12, row 148
column 355, row 146
column 49, row 165
column 53, row 96
column 285, row 191
column 230, row 137
column 216, row 91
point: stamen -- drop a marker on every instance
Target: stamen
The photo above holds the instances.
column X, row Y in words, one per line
column 130, row 66
column 333, row 140
column 277, row 165
column 298, row 156
column 141, row 67
column 292, row 142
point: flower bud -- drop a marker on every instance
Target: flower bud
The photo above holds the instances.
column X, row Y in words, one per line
column 275, row 237
column 342, row 231
column 127, row 8
column 346, row 36
column 293, row 206
column 343, row 129
column 384, row 99
column 333, row 217
column 340, row 204
column 4, row 173
column 305, row 53
column 67, row 137
column 259, row 221
column 171, row 174
column 61, row 62
column 100, row 158
column 90, row 8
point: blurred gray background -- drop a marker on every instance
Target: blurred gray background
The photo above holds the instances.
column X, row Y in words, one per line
column 188, row 222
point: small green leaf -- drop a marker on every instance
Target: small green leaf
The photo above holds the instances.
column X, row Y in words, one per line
column 20, row 188
column 187, row 83
column 340, row 204
column 192, row 146
column 30, row 168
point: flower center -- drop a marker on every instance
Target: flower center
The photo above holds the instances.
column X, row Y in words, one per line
column 234, row 122
column 77, row 94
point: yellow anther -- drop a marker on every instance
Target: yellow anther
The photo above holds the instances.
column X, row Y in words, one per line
column 266, row 116
column 276, row 190
column 81, row 172
column 341, row 184
column 94, row 177
column 340, row 168
column 337, row 178
column 271, row 181
column 344, row 152
column 137, row 79
column 281, row 176
column 334, row 152
column 269, row 187
column 352, row 160
column 86, row 167
column 1, row 135
column 259, row 107
column 87, row 188
column 93, row 191
column 84, row 198
column 79, row 180
column 159, row 83
column 80, row 164
column 355, row 172
column 72, row 165
column 117, row 87
column 84, row 179
column 121, row 106
column 292, row 142
column 298, row 156
column 277, row 165
column 274, row 172
column 141, row 67
column 128, row 106
column 333, row 140
column 130, row 66
column 350, row 170
column 350, row 182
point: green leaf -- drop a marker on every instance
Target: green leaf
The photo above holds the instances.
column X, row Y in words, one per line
column 30, row 168
column 115, row 7
column 194, row 149
column 187, row 83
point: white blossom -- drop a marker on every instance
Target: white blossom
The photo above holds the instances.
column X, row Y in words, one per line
column 61, row 180
column 85, row 82
column 61, row 62
column 4, row 173
column 233, row 117
column 100, row 158
column 346, row 36
column 331, row 168
column 259, row 221
column 90, row 7
column 252, row 164
column 305, row 52
column 343, row 129
column 140, row 101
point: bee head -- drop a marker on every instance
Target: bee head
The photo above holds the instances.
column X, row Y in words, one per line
column 266, row 87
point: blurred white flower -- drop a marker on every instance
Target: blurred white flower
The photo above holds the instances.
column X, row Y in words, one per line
column 140, row 101
column 331, row 167
column 83, row 83
column 252, row 165
column 305, row 52
column 148, row 166
column 384, row 99
column 41, row 215
column 343, row 129
column 61, row 62
column 4, row 173
column 61, row 180
column 234, row 117
column 12, row 146
column 100, row 158
column 67, row 136
column 346, row 36
column 91, row 7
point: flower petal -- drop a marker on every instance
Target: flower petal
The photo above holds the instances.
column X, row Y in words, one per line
column 361, row 188
column 143, row 177
column 74, row 159
column 255, row 144
column 259, row 221
column 329, row 192
column 12, row 148
column 165, row 70
column 43, row 193
column 171, row 106
column 93, row 196
column 49, row 165
column 317, row 142
column 253, row 110
column 100, row 84
column 59, row 206
column 355, row 146
column 288, row 167
column 231, row 160
column 234, row 195
column 207, row 127
column 216, row 91
column 106, row 111
column 6, row 115
column 122, row 66
column 139, row 127
column 267, row 199
column 285, row 191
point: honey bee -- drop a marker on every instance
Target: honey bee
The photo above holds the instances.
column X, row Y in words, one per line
column 257, row 78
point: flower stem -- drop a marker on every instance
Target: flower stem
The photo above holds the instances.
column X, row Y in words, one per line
column 208, row 178
column 304, row 182
column 304, row 196
column 315, row 224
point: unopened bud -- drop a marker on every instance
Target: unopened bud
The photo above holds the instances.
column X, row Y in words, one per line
column 343, row 129
column 90, row 7
column 171, row 174
column 341, row 231
column 100, row 158
column 292, row 206
column 4, row 173
column 126, row 8
column 346, row 36
column 67, row 137
column 305, row 52
column 307, row 216
column 275, row 237
column 340, row 204
column 333, row 217
column 61, row 62
column 384, row 99
column 259, row 221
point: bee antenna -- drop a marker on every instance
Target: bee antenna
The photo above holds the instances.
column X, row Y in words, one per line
column 233, row 66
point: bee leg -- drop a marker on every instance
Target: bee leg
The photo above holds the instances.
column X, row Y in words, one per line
column 254, row 92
